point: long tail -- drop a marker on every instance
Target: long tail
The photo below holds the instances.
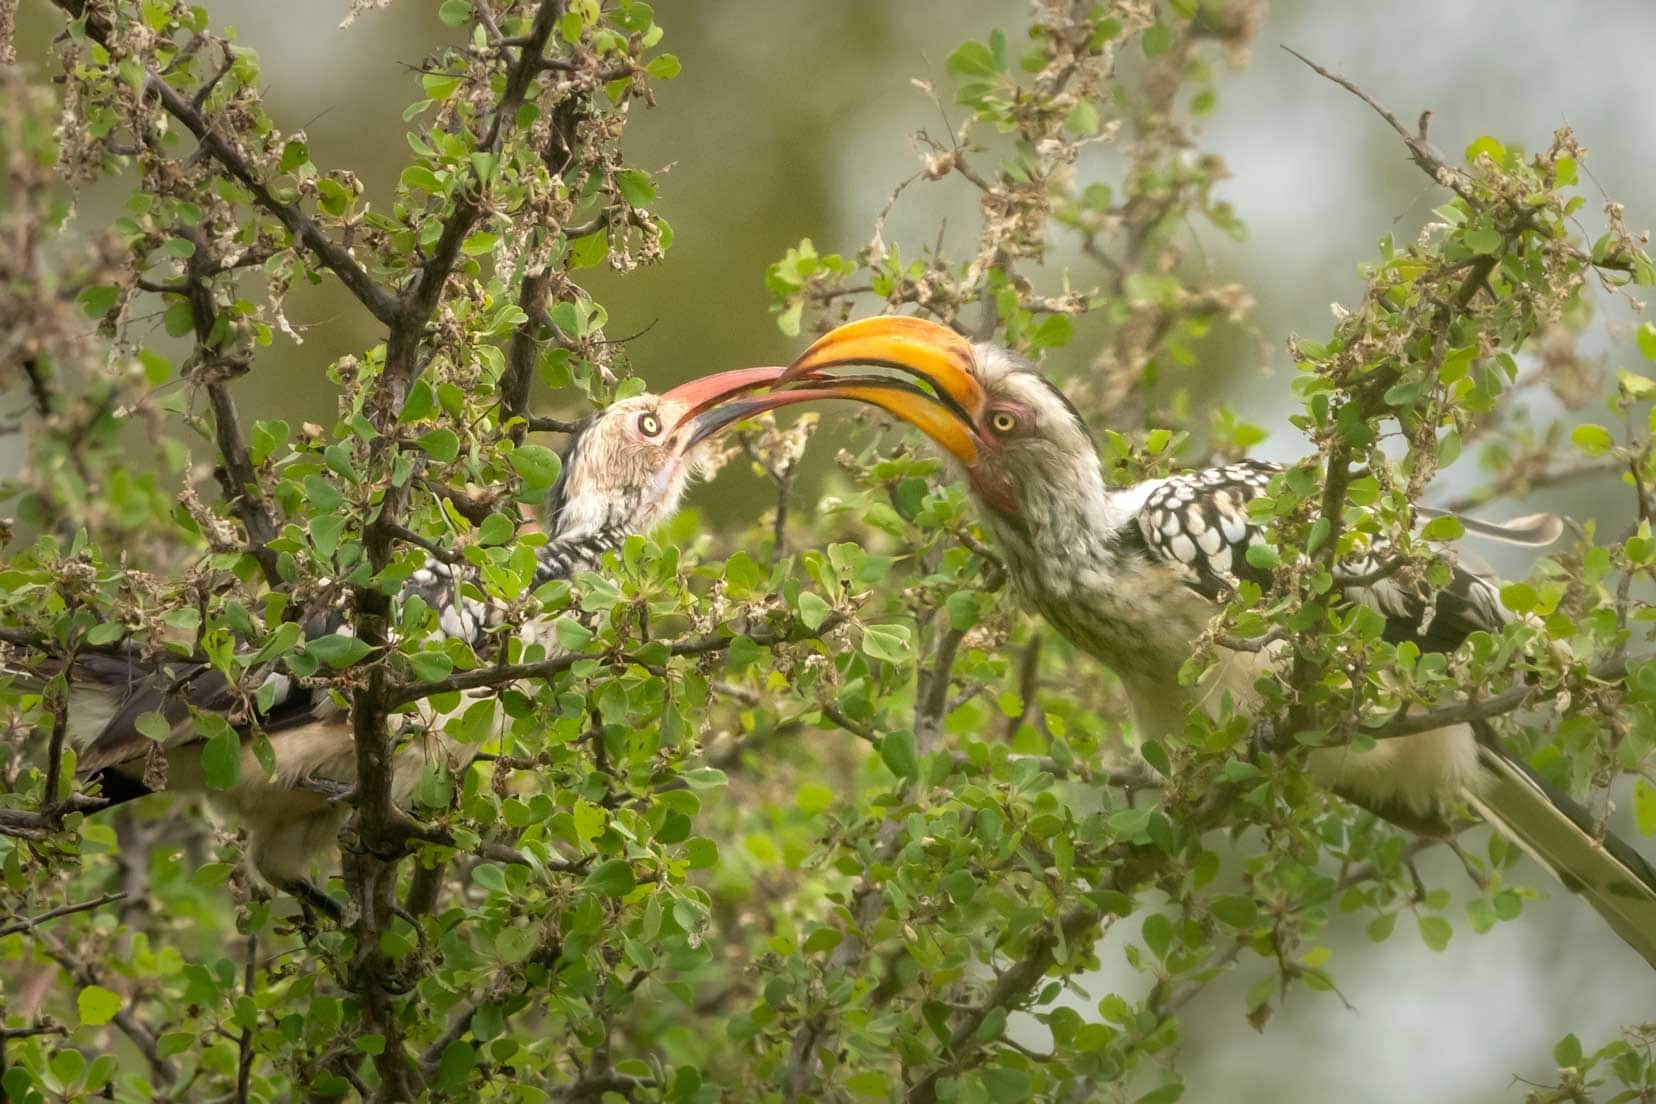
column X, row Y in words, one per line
column 1557, row 832
column 1529, row 531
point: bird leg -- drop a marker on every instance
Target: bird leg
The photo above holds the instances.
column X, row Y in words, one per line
column 311, row 898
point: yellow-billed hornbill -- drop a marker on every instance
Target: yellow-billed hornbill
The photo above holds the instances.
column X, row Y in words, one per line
column 1135, row 575
column 625, row 469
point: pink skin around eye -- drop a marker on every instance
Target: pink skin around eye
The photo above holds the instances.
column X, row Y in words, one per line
column 1023, row 415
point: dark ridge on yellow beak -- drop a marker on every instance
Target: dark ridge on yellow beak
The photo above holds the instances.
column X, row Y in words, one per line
column 926, row 350
column 932, row 353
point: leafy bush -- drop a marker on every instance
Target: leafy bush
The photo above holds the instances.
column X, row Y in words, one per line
column 829, row 818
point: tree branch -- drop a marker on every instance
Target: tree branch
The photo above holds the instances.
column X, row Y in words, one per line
column 380, row 303
column 1009, row 991
column 1421, row 150
column 504, row 673
column 240, row 479
column 1481, row 709
column 61, row 910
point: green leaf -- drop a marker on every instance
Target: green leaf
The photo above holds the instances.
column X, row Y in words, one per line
column 325, row 531
column 1435, row 932
column 458, row 1061
column 1484, row 240
column 664, row 67
column 1237, row 911
column 515, row 944
column 1157, row 40
column 155, row 726
column 971, row 60
column 588, row 251
column 1519, row 597
column 1402, row 394
column 701, row 853
column 442, row 445
column 422, row 178
column 1567, row 1052
column 613, row 878
column 336, row 649
column 1263, row 556
column 1644, row 807
column 1592, row 439
column 812, row 610
column 892, row 643
column 572, row 636
column 898, row 752
column 480, row 243
column 705, row 778
column 106, row 632
column 1647, row 340
column 871, row 1083
column 636, row 187
column 221, row 756
column 96, row 301
column 421, row 402
column 1167, row 1093
column 178, row 320
column 742, row 575
column 537, row 465
column 97, row 1005
column 454, row 13
column 1445, row 528
column 439, row 86
column 1007, row 1086
column 496, row 529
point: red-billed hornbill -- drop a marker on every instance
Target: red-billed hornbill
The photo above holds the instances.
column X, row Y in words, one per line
column 1135, row 575
column 625, row 469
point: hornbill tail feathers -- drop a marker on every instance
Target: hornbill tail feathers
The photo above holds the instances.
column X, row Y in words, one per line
column 1557, row 832
column 1529, row 531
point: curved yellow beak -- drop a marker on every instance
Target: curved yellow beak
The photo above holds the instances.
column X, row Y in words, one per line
column 930, row 352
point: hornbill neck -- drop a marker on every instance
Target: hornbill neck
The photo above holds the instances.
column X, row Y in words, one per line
column 1068, row 532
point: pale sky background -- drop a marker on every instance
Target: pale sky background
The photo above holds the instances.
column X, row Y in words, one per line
column 792, row 119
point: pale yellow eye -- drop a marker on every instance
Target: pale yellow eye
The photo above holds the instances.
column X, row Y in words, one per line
column 648, row 424
column 1003, row 422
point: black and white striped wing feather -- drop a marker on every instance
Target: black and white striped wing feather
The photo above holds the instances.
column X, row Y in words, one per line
column 1198, row 522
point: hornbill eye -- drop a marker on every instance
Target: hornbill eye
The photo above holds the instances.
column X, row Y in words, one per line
column 648, row 424
column 1003, row 422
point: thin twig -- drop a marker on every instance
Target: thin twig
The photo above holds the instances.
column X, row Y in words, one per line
column 61, row 910
column 244, row 1045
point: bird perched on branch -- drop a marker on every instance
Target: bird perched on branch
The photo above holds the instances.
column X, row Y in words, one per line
column 625, row 469
column 1135, row 576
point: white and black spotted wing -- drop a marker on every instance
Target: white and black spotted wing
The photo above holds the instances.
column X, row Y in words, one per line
column 1199, row 522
